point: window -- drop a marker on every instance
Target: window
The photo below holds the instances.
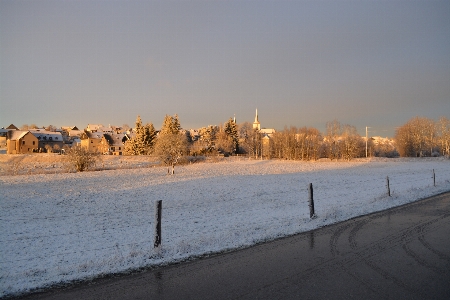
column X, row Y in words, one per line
column 34, row 143
column 92, row 141
column 23, row 142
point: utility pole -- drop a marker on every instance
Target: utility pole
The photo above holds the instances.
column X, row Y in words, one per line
column 366, row 140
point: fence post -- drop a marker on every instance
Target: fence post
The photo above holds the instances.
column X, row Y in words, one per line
column 388, row 187
column 434, row 178
column 158, row 211
column 311, row 202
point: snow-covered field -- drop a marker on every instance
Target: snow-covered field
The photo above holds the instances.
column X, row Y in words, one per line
column 62, row 227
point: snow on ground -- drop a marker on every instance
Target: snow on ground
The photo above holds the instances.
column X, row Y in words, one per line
column 57, row 228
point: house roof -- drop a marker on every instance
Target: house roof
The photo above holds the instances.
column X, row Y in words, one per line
column 42, row 134
column 267, row 130
column 115, row 139
column 15, row 135
column 68, row 128
column 12, row 127
column 94, row 135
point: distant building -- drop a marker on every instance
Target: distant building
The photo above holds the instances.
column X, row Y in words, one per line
column 115, row 143
column 92, row 141
column 105, row 143
column 48, row 140
column 100, row 128
column 21, row 142
column 266, row 136
column 256, row 124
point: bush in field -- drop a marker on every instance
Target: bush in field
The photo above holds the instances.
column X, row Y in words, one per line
column 81, row 159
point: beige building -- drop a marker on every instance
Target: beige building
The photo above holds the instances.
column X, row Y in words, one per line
column 115, row 142
column 21, row 142
column 94, row 142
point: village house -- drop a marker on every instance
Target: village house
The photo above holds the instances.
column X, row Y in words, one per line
column 49, row 141
column 21, row 142
column 115, row 143
column 100, row 128
column 71, row 135
column 106, row 140
column 3, row 134
column 93, row 142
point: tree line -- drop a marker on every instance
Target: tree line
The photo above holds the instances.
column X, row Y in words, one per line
column 424, row 137
column 418, row 137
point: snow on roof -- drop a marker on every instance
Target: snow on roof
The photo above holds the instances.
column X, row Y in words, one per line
column 46, row 135
column 94, row 135
column 68, row 128
column 15, row 135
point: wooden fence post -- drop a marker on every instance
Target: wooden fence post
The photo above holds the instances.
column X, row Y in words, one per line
column 158, row 211
column 388, row 187
column 311, row 202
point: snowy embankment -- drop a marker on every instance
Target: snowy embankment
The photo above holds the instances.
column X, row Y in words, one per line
column 62, row 227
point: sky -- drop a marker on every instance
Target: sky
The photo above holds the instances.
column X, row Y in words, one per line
column 300, row 63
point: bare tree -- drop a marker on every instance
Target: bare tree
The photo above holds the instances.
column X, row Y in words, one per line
column 351, row 142
column 249, row 139
column 416, row 137
column 332, row 139
column 444, row 135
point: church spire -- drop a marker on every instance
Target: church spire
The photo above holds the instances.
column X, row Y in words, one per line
column 256, row 124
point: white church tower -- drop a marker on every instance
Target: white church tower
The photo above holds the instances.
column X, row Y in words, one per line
column 256, row 124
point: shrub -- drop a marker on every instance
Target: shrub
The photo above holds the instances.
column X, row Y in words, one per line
column 81, row 159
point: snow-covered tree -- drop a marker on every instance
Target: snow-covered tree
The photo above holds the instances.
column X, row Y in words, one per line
column 171, row 125
column 208, row 137
column 143, row 141
column 171, row 145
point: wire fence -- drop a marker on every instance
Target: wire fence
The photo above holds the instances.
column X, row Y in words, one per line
column 69, row 228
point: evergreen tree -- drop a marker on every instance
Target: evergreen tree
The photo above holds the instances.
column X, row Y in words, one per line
column 143, row 140
column 232, row 132
column 171, row 125
column 149, row 137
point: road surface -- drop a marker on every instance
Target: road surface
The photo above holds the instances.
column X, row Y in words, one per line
column 402, row 253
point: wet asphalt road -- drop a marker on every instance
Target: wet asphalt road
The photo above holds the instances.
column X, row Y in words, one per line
column 402, row 253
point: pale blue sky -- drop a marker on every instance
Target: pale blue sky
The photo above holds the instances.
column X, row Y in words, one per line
column 301, row 63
